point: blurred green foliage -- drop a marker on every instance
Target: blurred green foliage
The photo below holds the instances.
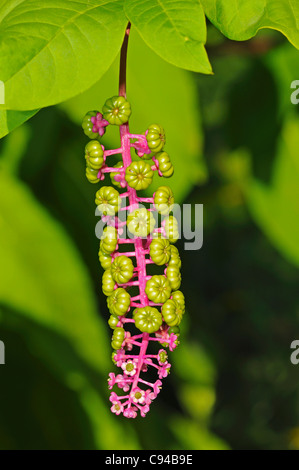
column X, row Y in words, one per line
column 233, row 139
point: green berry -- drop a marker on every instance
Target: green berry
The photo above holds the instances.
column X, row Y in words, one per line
column 141, row 222
column 92, row 175
column 87, row 125
column 113, row 321
column 122, row 269
column 155, row 138
column 108, row 200
column 173, row 274
column 160, row 251
column 118, row 337
column 117, row 110
column 172, row 312
column 179, row 297
column 158, row 289
column 165, row 165
column 171, row 229
column 164, row 200
column 139, row 175
column 174, row 329
column 94, row 155
column 109, row 240
column 175, row 259
column 147, row 319
column 119, row 302
column 108, row 282
column 105, row 260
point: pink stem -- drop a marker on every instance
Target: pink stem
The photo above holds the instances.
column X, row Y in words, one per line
column 112, row 152
column 140, row 258
column 146, row 199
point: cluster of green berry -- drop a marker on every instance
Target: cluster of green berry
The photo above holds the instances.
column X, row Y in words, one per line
column 157, row 305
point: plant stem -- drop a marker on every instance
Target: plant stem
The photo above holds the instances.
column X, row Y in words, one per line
column 133, row 200
column 123, row 63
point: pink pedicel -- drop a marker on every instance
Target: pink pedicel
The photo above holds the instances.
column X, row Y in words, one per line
column 99, row 124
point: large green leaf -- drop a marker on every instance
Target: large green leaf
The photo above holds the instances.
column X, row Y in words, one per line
column 164, row 94
column 50, row 50
column 242, row 19
column 275, row 207
column 9, row 120
column 43, row 276
column 174, row 29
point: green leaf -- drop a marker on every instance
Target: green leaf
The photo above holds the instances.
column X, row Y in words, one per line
column 13, row 149
column 57, row 357
column 51, row 50
column 170, row 100
column 10, row 119
column 242, row 19
column 174, row 29
column 43, row 276
column 275, row 207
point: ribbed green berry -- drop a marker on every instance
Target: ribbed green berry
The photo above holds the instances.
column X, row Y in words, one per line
column 105, row 260
column 175, row 259
column 108, row 282
column 165, row 165
column 160, row 251
column 119, row 302
column 139, row 175
column 113, row 321
column 108, row 200
column 155, row 138
column 147, row 319
column 94, row 155
column 173, row 274
column 122, row 269
column 141, row 222
column 116, row 173
column 158, row 289
column 117, row 110
column 164, row 200
column 179, row 297
column 92, row 175
column 87, row 125
column 172, row 312
column 171, row 229
column 118, row 337
column 109, row 240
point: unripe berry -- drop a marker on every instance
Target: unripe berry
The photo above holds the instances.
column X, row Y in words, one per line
column 155, row 138
column 139, row 175
column 117, row 110
column 160, row 251
column 147, row 319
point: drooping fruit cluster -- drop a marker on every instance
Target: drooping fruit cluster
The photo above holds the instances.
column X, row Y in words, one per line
column 144, row 309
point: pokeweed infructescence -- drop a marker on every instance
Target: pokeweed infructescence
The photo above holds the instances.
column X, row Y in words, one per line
column 145, row 310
